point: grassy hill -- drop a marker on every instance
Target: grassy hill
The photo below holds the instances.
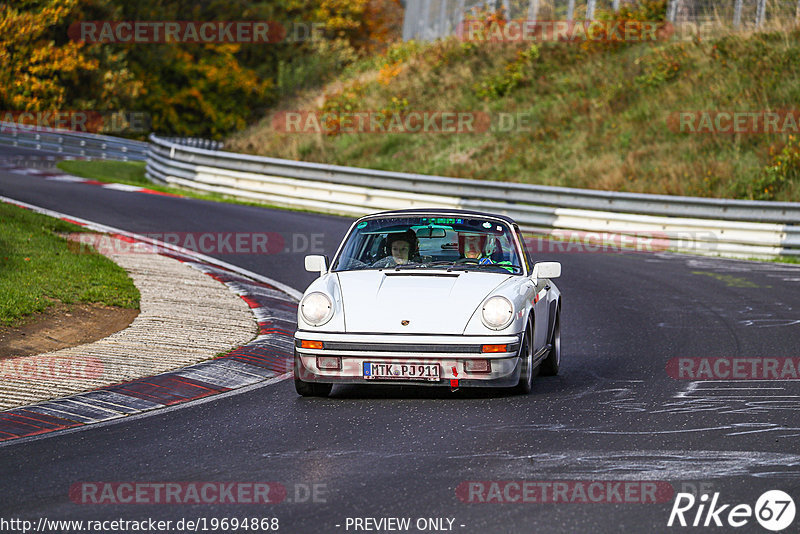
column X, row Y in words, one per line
column 598, row 115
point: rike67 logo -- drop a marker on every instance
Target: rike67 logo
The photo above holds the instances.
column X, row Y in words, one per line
column 774, row 511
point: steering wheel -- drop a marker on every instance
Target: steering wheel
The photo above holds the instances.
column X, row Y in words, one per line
column 468, row 260
column 355, row 264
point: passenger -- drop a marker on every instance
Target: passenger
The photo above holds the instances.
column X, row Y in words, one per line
column 403, row 248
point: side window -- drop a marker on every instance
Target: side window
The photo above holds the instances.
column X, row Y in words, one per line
column 503, row 249
column 374, row 249
column 526, row 255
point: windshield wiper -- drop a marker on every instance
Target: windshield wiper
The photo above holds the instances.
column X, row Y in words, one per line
column 423, row 265
column 481, row 266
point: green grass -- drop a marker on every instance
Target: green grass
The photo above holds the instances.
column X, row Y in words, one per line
column 601, row 116
column 38, row 267
column 783, row 259
column 123, row 172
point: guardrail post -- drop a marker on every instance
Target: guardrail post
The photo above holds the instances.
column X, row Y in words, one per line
column 460, row 15
column 426, row 7
column 762, row 8
column 737, row 14
column 441, row 23
column 672, row 10
column 590, row 7
column 533, row 10
column 408, row 17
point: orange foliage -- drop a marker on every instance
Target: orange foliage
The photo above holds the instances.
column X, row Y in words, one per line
column 34, row 72
column 367, row 24
column 198, row 90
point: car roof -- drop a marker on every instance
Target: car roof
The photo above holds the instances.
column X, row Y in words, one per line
column 441, row 212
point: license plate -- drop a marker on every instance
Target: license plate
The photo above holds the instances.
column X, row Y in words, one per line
column 401, row 371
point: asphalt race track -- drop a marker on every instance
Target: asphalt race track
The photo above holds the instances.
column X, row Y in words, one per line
column 613, row 415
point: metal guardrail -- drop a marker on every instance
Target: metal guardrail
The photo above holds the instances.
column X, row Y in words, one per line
column 701, row 225
column 75, row 144
column 196, row 142
column 666, row 205
column 742, row 228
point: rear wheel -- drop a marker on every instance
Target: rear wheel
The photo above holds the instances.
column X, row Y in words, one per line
column 553, row 360
column 526, row 358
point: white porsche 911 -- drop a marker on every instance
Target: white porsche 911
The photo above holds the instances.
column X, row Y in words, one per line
column 428, row 297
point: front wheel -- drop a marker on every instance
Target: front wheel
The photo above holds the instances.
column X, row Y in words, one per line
column 550, row 365
column 309, row 389
column 312, row 389
column 526, row 356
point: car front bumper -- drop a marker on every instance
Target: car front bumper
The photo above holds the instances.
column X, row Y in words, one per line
column 450, row 352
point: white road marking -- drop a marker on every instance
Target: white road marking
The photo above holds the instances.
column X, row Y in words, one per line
column 123, row 187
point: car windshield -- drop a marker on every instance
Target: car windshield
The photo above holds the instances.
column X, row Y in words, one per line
column 456, row 243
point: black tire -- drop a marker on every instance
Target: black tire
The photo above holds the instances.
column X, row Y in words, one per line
column 312, row 389
column 550, row 365
column 309, row 389
column 525, row 383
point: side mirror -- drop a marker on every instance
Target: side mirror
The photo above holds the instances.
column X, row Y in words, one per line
column 317, row 264
column 546, row 269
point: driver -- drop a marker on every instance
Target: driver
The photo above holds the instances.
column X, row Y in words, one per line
column 403, row 248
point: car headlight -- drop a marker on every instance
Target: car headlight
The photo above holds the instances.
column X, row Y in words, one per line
column 497, row 312
column 316, row 308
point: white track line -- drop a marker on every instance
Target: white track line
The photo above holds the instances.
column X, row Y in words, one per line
column 297, row 295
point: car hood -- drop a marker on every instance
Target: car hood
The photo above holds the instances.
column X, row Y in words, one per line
column 433, row 302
